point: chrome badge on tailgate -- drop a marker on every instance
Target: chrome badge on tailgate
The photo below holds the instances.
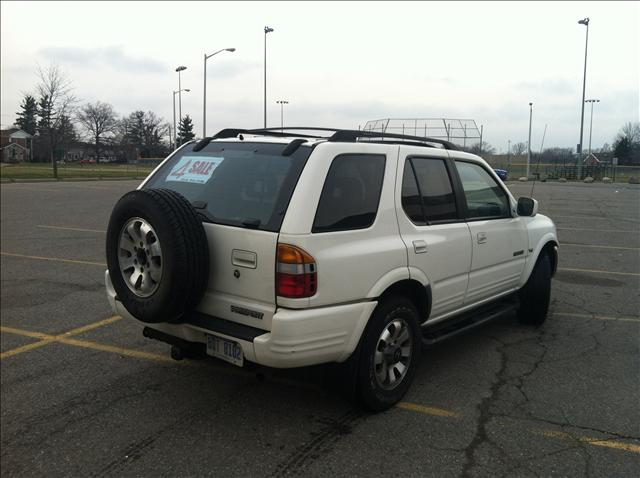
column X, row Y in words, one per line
column 250, row 313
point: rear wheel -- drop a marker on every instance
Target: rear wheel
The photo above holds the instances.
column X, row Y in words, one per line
column 536, row 293
column 389, row 354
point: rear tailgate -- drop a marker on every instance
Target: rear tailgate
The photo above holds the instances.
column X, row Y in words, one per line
column 241, row 275
column 242, row 191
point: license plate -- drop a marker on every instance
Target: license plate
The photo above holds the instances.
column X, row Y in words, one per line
column 225, row 349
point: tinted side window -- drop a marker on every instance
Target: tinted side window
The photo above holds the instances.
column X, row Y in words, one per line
column 485, row 198
column 411, row 202
column 436, row 190
column 351, row 193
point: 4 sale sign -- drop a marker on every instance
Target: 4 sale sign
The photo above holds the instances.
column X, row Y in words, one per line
column 194, row 169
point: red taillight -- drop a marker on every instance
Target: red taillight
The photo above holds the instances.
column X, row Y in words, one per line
column 296, row 275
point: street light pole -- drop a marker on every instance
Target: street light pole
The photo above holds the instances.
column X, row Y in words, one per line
column 175, row 130
column 266, row 30
column 282, row 103
column 529, row 143
column 180, row 69
column 585, row 22
column 204, row 101
column 591, row 121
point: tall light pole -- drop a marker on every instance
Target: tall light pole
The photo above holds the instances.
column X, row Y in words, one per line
column 175, row 131
column 204, row 100
column 179, row 69
column 591, row 121
column 282, row 103
column 585, row 22
column 266, row 30
column 529, row 143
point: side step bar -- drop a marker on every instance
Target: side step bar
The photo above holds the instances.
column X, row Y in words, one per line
column 467, row 321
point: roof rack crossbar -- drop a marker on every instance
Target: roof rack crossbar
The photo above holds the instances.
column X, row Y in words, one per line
column 354, row 135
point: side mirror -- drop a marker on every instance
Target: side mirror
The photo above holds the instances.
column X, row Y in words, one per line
column 527, row 206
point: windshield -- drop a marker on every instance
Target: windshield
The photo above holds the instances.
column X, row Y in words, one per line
column 238, row 184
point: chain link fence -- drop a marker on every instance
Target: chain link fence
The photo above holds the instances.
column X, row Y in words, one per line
column 462, row 132
column 517, row 167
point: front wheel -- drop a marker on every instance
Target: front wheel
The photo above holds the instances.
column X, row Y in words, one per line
column 390, row 354
column 536, row 293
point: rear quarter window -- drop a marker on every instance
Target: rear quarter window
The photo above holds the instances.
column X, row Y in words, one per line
column 351, row 193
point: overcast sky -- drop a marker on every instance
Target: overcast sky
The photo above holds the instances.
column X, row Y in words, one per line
column 339, row 64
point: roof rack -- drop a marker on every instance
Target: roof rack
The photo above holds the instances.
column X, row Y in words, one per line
column 339, row 135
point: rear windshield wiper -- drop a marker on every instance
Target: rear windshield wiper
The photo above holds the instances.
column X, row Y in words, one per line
column 201, row 210
column 250, row 223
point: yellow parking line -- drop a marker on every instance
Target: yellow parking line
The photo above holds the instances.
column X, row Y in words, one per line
column 596, row 271
column 439, row 412
column 615, row 444
column 46, row 339
column 597, row 317
column 94, row 325
column 120, row 350
column 24, row 348
column 54, row 259
column 65, row 228
column 25, row 333
column 599, row 246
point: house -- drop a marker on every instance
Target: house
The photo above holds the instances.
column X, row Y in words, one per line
column 16, row 145
column 14, row 153
column 591, row 160
column 108, row 153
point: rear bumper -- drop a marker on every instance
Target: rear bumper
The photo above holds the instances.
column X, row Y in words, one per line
column 297, row 338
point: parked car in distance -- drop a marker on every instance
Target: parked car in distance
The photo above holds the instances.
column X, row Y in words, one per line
column 502, row 174
column 289, row 250
column 87, row 161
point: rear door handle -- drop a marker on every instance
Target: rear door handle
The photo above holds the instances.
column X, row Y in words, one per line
column 242, row 258
column 419, row 247
column 482, row 237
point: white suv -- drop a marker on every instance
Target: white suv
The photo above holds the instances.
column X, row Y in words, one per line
column 354, row 247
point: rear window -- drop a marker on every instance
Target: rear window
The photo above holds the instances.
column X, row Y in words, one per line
column 237, row 184
column 351, row 193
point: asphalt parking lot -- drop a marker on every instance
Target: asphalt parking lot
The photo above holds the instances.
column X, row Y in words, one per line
column 84, row 394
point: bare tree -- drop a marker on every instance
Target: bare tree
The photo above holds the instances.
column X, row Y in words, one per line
column 98, row 120
column 519, row 149
column 55, row 106
column 631, row 132
column 485, row 148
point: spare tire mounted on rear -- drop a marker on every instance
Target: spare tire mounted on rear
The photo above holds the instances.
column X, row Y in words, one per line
column 157, row 254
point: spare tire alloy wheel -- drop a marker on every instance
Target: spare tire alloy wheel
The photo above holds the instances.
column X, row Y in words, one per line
column 157, row 254
column 140, row 257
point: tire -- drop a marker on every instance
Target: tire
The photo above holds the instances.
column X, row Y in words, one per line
column 168, row 239
column 372, row 392
column 536, row 293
